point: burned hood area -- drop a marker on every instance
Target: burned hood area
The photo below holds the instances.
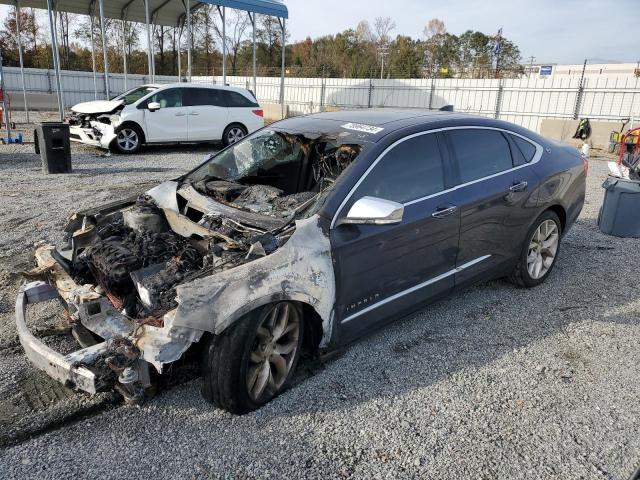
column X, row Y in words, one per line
column 238, row 206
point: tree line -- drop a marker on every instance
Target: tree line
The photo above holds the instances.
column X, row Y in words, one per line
column 361, row 52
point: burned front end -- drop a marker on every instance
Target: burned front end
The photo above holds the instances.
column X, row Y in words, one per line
column 144, row 279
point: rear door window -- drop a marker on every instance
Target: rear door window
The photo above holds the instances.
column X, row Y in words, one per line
column 480, row 152
column 410, row 170
column 194, row 97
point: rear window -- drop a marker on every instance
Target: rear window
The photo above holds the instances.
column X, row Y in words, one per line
column 480, row 153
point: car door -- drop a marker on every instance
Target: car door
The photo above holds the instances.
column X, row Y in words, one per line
column 206, row 112
column 385, row 270
column 496, row 199
column 169, row 122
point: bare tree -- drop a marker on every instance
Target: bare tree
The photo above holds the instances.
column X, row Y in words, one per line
column 237, row 23
column 383, row 27
column 435, row 26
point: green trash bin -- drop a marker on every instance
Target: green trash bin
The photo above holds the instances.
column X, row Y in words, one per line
column 619, row 212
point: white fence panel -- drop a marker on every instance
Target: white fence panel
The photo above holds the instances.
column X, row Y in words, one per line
column 524, row 101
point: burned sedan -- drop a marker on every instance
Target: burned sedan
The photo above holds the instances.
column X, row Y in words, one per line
column 305, row 235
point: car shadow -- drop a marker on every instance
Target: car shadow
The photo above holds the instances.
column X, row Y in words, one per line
column 469, row 330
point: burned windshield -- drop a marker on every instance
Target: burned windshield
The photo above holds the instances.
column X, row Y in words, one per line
column 275, row 172
column 261, row 152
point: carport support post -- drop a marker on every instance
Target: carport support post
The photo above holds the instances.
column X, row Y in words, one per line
column 19, row 41
column 284, row 38
column 252, row 17
column 189, row 39
column 124, row 52
column 149, row 54
column 224, row 45
column 104, row 50
column 179, row 60
column 56, row 64
column 93, row 55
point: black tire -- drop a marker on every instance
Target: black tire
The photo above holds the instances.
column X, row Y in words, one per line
column 227, row 360
column 233, row 133
column 520, row 275
column 120, row 146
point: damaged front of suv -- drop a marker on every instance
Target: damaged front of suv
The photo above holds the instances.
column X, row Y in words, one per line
column 144, row 279
column 95, row 123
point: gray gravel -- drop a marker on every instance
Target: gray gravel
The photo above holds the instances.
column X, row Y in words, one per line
column 495, row 382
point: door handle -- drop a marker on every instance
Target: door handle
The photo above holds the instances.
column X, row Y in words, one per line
column 194, row 113
column 180, row 114
column 519, row 186
column 442, row 212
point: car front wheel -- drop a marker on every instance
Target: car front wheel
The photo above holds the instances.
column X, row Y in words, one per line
column 540, row 251
column 233, row 134
column 252, row 362
column 128, row 139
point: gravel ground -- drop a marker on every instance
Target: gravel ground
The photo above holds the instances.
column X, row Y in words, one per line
column 495, row 382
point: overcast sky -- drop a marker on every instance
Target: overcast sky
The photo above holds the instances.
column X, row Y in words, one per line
column 558, row 31
column 553, row 31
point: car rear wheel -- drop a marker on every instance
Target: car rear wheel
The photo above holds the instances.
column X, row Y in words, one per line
column 233, row 133
column 252, row 362
column 540, row 251
column 128, row 139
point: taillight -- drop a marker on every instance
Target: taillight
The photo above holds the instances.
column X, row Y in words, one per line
column 259, row 112
column 585, row 165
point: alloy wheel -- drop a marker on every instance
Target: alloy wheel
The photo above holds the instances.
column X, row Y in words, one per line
column 234, row 135
column 542, row 249
column 274, row 350
column 127, row 139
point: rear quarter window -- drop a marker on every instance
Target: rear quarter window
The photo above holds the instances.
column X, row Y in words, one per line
column 523, row 147
column 234, row 99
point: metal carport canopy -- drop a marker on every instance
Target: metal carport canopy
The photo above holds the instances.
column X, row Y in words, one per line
column 163, row 12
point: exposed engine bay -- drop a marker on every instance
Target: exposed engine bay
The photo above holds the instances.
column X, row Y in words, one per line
column 138, row 255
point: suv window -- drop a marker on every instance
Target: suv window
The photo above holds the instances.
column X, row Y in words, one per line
column 170, row 98
column 411, row 170
column 234, row 99
column 480, row 152
column 194, row 97
column 524, row 148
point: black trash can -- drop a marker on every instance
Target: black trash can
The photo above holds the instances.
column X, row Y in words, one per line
column 55, row 147
column 619, row 212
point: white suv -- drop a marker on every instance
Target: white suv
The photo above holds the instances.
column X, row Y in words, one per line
column 179, row 112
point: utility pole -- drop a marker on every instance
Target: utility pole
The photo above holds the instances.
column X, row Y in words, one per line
column 531, row 60
column 383, row 50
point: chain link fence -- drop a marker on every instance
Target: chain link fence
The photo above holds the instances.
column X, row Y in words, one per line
column 525, row 101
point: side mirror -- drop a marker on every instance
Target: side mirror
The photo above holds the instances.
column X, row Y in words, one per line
column 153, row 106
column 374, row 211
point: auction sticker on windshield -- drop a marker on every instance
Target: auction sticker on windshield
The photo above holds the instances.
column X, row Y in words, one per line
column 361, row 127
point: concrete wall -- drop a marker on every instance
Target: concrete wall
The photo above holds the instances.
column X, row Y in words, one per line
column 563, row 131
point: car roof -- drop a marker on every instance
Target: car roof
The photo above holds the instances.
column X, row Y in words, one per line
column 202, row 85
column 372, row 124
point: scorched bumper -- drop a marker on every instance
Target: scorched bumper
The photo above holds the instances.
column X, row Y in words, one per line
column 67, row 369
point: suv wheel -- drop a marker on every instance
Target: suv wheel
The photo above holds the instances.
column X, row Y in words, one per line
column 540, row 251
column 128, row 139
column 233, row 133
column 252, row 362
